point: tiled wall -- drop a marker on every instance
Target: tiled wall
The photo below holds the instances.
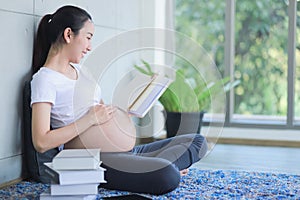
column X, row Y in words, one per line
column 18, row 21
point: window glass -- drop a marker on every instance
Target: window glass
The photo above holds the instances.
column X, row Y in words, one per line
column 261, row 46
column 203, row 21
column 261, row 38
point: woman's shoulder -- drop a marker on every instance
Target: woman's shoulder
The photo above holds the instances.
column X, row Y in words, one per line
column 43, row 77
column 44, row 72
column 47, row 74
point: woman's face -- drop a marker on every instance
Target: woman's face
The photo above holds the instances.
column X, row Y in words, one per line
column 81, row 43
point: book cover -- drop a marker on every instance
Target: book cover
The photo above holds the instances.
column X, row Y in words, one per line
column 77, row 189
column 48, row 196
column 68, row 177
column 73, row 159
column 149, row 95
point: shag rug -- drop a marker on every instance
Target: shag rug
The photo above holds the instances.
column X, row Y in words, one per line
column 198, row 184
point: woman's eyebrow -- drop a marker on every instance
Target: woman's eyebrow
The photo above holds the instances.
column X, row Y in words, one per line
column 90, row 33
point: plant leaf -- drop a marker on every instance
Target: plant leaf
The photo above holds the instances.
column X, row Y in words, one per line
column 148, row 67
column 140, row 69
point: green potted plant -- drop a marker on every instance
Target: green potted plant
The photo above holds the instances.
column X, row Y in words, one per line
column 187, row 99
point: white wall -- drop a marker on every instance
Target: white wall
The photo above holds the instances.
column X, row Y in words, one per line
column 18, row 21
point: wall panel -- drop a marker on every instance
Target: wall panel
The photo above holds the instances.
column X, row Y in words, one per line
column 17, row 6
column 15, row 54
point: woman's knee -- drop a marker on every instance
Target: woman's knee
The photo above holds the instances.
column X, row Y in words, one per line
column 167, row 180
column 200, row 143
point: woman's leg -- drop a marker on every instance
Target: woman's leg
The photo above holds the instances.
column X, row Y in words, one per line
column 148, row 168
column 182, row 150
column 133, row 173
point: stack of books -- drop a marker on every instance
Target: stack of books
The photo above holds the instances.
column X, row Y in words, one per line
column 75, row 174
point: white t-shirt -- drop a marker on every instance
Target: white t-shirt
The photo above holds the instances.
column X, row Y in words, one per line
column 70, row 99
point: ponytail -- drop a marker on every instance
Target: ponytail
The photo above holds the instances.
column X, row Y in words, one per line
column 50, row 31
column 41, row 44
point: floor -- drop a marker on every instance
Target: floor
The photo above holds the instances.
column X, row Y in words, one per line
column 252, row 158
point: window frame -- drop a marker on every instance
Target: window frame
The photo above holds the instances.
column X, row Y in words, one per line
column 290, row 122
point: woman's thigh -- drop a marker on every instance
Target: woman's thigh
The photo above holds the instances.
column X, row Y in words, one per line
column 182, row 150
column 155, row 148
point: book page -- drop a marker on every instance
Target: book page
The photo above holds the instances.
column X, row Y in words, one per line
column 149, row 96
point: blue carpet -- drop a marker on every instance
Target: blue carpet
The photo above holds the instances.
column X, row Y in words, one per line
column 198, row 184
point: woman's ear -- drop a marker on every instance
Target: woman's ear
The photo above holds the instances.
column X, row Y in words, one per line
column 67, row 35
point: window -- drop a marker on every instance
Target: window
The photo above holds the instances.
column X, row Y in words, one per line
column 260, row 61
column 258, row 47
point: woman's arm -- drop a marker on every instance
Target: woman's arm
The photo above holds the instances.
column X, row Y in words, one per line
column 45, row 139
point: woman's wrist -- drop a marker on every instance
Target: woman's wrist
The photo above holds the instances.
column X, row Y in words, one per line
column 84, row 123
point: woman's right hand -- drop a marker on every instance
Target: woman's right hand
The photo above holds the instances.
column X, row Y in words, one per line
column 101, row 113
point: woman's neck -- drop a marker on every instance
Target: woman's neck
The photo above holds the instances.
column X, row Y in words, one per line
column 57, row 61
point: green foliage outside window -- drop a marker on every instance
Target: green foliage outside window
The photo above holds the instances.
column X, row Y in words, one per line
column 261, row 39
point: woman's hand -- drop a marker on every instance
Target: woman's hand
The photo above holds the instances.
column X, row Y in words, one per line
column 101, row 113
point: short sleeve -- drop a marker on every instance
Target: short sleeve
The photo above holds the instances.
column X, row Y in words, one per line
column 42, row 90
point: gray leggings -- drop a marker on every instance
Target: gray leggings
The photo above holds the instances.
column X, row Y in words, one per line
column 153, row 168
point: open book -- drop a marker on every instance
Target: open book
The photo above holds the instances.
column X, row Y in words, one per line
column 147, row 94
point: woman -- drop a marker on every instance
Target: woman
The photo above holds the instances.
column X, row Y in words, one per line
column 64, row 38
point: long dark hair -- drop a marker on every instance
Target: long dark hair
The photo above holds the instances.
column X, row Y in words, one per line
column 50, row 31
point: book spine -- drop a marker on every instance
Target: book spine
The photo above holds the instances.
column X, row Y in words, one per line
column 53, row 175
column 75, row 163
column 80, row 189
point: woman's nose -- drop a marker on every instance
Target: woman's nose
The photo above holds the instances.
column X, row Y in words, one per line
column 89, row 47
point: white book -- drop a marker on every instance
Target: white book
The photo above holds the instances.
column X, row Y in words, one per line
column 149, row 94
column 48, row 196
column 77, row 189
column 68, row 177
column 76, row 159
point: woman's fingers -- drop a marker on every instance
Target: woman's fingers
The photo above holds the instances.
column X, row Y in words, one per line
column 111, row 109
column 104, row 113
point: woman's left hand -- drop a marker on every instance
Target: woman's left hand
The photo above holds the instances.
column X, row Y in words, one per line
column 101, row 113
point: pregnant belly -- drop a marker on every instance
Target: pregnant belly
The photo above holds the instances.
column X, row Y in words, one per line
column 116, row 135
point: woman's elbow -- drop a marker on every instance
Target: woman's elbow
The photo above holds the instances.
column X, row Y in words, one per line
column 40, row 145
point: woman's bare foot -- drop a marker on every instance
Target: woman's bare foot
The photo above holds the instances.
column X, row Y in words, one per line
column 184, row 172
